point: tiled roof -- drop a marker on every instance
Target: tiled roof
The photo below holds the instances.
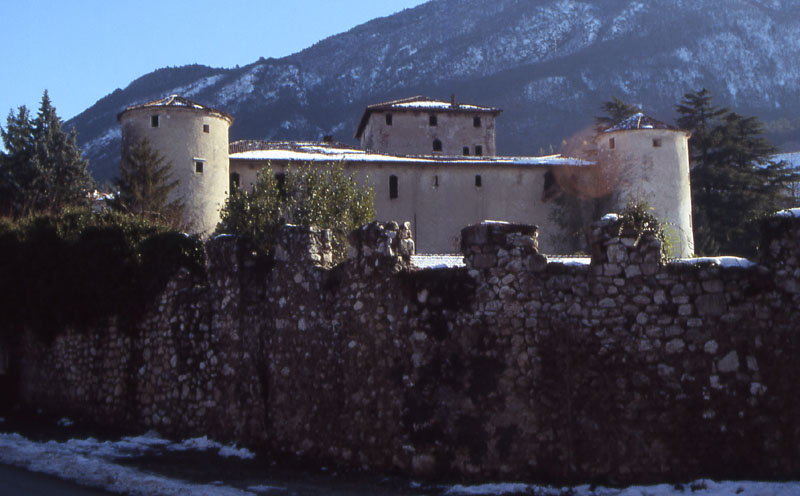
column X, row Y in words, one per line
column 179, row 102
column 421, row 103
column 639, row 121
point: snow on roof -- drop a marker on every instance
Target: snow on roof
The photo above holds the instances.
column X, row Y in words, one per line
column 420, row 102
column 177, row 101
column 638, row 121
column 333, row 152
column 721, row 261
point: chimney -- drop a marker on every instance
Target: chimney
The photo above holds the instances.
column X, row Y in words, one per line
column 328, row 138
column 453, row 100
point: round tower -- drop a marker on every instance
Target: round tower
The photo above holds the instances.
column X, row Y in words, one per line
column 194, row 139
column 649, row 161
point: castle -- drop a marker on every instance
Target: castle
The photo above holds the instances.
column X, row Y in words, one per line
column 433, row 163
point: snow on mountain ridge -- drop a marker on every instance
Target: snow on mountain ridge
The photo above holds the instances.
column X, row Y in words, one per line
column 549, row 63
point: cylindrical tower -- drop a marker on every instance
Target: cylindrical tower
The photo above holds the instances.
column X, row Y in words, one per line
column 194, row 139
column 648, row 161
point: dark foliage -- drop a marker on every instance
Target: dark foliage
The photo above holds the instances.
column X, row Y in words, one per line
column 78, row 267
column 310, row 195
column 42, row 169
column 145, row 184
column 734, row 181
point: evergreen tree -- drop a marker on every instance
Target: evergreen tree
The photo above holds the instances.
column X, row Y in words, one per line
column 322, row 196
column 63, row 179
column 616, row 111
column 145, row 184
column 734, row 181
column 42, row 169
column 17, row 172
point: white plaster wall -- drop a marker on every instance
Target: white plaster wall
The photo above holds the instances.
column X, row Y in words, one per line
column 180, row 139
column 411, row 133
column 508, row 192
column 659, row 175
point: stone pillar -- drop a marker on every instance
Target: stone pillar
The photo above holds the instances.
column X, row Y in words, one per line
column 379, row 245
column 618, row 250
column 780, row 248
column 492, row 244
column 304, row 245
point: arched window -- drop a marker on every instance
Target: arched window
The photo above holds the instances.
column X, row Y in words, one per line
column 392, row 186
column 437, row 145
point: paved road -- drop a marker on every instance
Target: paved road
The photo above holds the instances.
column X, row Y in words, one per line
column 19, row 482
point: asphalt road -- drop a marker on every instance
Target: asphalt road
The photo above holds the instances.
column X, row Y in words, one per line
column 19, row 482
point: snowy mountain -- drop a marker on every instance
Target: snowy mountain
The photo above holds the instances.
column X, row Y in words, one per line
column 549, row 63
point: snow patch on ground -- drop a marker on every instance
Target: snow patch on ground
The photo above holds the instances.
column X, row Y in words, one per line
column 722, row 261
column 789, row 212
column 90, row 462
column 697, row 488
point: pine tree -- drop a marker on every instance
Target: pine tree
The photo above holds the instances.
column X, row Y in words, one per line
column 145, row 184
column 42, row 170
column 63, row 179
column 616, row 111
column 734, row 181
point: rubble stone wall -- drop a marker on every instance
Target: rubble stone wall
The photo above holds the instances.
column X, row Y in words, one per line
column 514, row 367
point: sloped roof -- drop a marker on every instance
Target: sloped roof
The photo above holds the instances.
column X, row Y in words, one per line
column 421, row 103
column 639, row 121
column 177, row 101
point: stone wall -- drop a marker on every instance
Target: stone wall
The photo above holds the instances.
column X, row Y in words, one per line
column 624, row 369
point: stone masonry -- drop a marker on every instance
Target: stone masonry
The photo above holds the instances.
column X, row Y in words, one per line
column 626, row 369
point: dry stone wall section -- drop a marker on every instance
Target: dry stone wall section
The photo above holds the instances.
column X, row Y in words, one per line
column 626, row 368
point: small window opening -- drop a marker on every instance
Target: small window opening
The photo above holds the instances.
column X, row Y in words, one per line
column 611, row 143
column 476, row 121
column 466, row 150
column 198, row 166
column 437, row 145
column 433, row 120
column 478, row 181
column 235, row 180
column 280, row 179
column 479, row 150
column 435, row 181
column 206, row 128
column 392, row 187
column 657, row 142
column 153, row 121
column 388, row 119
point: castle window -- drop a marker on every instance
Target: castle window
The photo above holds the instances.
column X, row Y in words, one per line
column 437, row 145
column 388, row 119
column 433, row 120
column 206, row 128
column 435, row 181
column 476, row 121
column 235, row 179
column 611, row 143
column 280, row 179
column 154, row 121
column 478, row 181
column 656, row 142
column 392, row 187
column 466, row 150
column 199, row 165
column 478, row 150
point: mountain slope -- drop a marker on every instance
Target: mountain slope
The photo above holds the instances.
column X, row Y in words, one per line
column 549, row 63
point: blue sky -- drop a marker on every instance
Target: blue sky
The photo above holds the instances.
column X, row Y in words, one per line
column 82, row 50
